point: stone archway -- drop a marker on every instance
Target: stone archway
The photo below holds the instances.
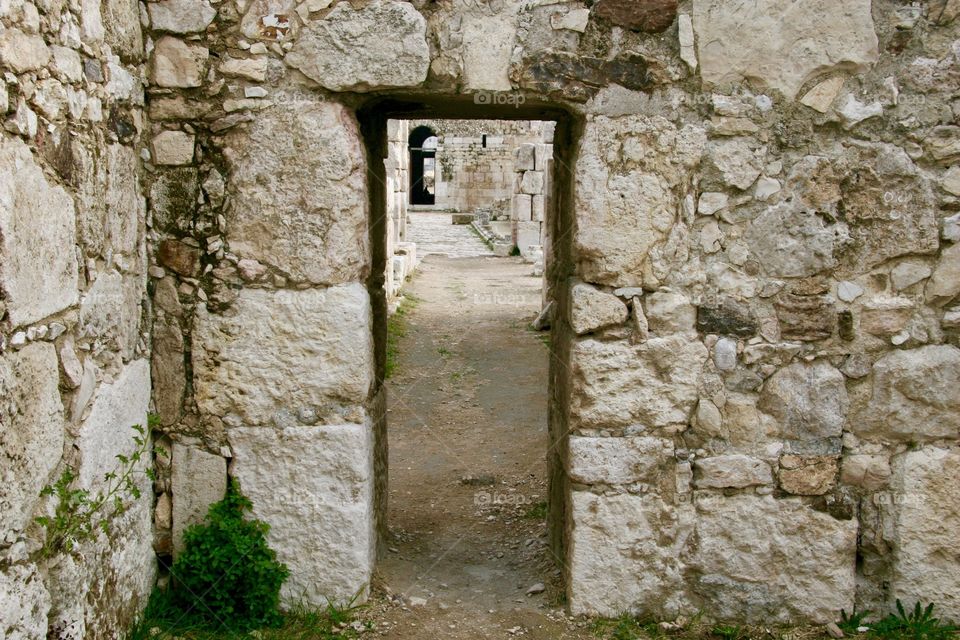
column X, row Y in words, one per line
column 420, row 155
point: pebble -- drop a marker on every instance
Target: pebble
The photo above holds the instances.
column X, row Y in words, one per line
column 834, row 631
column 535, row 589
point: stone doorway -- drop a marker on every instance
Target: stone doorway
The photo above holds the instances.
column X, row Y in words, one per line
column 551, row 500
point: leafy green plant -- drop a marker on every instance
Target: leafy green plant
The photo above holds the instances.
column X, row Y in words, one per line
column 80, row 515
column 227, row 575
column 918, row 624
column 850, row 623
column 730, row 632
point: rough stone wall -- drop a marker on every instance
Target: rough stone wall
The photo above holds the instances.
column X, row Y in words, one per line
column 755, row 404
column 471, row 176
column 74, row 340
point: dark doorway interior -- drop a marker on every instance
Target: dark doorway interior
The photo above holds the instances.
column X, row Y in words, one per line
column 422, row 158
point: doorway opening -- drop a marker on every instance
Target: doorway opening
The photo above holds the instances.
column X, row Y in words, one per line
column 423, row 152
column 471, row 516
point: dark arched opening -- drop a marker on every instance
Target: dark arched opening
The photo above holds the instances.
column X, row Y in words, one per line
column 423, row 158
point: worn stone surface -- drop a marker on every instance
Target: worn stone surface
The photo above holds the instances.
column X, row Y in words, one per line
column 314, row 487
column 624, row 555
column 627, row 209
column 869, row 472
column 925, row 519
column 759, row 40
column 38, row 260
column 727, row 317
column 670, row 312
column 733, row 471
column 197, row 479
column 788, row 241
column 592, row 309
column 31, row 438
column 110, row 311
column 763, row 559
column 651, row 16
column 650, row 385
column 808, row 475
column 618, row 460
column 378, row 46
column 276, row 352
column 180, row 16
column 310, row 219
column 24, row 604
column 944, row 283
column 177, row 63
column 172, row 148
column 23, row 52
column 168, row 369
column 807, row 401
column 914, row 396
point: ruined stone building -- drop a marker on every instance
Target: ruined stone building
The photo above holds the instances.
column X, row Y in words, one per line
column 754, row 257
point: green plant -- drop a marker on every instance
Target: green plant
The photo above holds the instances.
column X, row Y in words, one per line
column 397, row 329
column 227, row 575
column 537, row 511
column 730, row 632
column 850, row 624
column 515, row 251
column 918, row 624
column 80, row 515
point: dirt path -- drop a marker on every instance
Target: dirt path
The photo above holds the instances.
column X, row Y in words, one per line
column 468, row 438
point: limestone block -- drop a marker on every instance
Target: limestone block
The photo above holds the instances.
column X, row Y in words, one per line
column 592, row 309
column 538, row 208
column 180, row 16
column 111, row 311
column 532, row 182
column 766, row 560
column 736, row 471
column 254, row 69
column 624, row 555
column 758, row 40
column 526, row 157
column 735, row 162
column 280, row 352
column 619, row 460
column 822, row 95
column 914, row 396
column 31, row 437
column 808, row 475
column 314, row 487
column 24, row 603
column 926, row 517
column 197, row 479
column 488, row 43
column 944, row 284
column 807, row 401
column 625, row 210
column 38, row 260
column 21, row 52
column 168, row 369
column 869, row 472
column 522, row 207
column 172, row 148
column 123, row 31
column 381, row 45
column 670, row 312
column 107, row 431
column 652, row 384
column 310, row 219
column 885, row 316
column 178, row 64
column 908, row 273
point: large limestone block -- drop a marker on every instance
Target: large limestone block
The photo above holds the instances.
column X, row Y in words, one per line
column 22, row 52
column 733, row 471
column 107, row 431
column 592, row 309
column 278, row 354
column 31, row 430
column 627, row 176
column 926, row 565
column 807, row 401
column 181, row 16
column 782, row 45
column 24, row 603
column 314, row 487
column 110, row 310
column 38, row 259
column 178, row 64
column 760, row 559
column 650, row 385
column 380, row 45
column 488, row 44
column 789, row 241
column 198, row 479
column 914, row 396
column 298, row 191
column 167, row 364
column 619, row 460
column 624, row 555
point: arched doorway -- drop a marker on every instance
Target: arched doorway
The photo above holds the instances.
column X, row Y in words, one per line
column 423, row 158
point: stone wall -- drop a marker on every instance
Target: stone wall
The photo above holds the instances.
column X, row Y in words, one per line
column 758, row 322
column 74, row 316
